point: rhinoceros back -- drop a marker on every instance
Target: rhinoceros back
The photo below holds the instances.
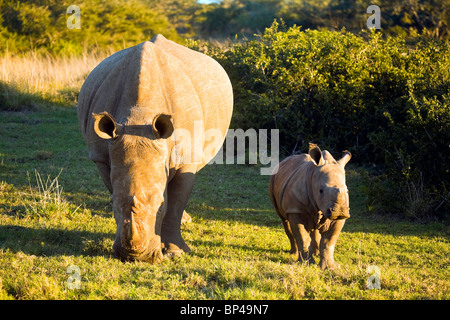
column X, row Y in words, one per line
column 291, row 182
column 158, row 76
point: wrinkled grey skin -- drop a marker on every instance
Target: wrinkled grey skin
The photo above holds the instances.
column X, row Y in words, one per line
column 134, row 111
column 310, row 196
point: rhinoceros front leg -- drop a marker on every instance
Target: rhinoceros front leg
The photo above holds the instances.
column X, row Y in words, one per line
column 178, row 192
column 301, row 236
column 327, row 244
column 315, row 237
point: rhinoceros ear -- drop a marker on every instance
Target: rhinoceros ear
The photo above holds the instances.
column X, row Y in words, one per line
column 343, row 161
column 104, row 125
column 328, row 157
column 163, row 126
column 316, row 154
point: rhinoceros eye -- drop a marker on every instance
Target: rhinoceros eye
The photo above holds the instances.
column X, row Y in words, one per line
column 321, row 190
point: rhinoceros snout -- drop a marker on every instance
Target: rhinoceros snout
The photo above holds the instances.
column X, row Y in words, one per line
column 151, row 255
column 336, row 214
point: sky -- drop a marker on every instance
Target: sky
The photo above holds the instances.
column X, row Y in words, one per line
column 209, row 1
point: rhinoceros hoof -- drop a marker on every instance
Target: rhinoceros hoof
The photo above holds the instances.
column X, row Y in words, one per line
column 172, row 250
column 328, row 265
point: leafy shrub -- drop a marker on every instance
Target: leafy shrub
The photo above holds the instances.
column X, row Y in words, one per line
column 417, row 155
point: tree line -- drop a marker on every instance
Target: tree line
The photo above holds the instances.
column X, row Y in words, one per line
column 42, row 24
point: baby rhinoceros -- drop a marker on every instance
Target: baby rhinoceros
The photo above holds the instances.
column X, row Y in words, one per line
column 310, row 195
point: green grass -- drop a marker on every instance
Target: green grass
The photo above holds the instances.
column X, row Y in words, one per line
column 55, row 212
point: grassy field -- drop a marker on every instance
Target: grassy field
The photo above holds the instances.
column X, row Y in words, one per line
column 55, row 213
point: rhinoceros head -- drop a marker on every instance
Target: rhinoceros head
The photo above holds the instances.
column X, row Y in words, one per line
column 329, row 189
column 139, row 173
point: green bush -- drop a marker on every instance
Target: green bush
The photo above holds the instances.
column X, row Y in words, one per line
column 416, row 155
column 384, row 100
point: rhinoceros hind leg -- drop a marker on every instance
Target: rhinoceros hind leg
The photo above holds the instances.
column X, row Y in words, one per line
column 290, row 235
column 178, row 193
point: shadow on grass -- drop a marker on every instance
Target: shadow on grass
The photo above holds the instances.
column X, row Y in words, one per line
column 247, row 250
column 55, row 242
column 12, row 99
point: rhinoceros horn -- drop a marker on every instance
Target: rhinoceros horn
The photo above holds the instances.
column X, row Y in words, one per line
column 133, row 232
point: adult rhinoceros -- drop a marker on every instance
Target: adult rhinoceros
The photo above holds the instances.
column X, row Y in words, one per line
column 144, row 112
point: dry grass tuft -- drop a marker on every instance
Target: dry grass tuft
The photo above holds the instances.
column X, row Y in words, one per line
column 31, row 80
